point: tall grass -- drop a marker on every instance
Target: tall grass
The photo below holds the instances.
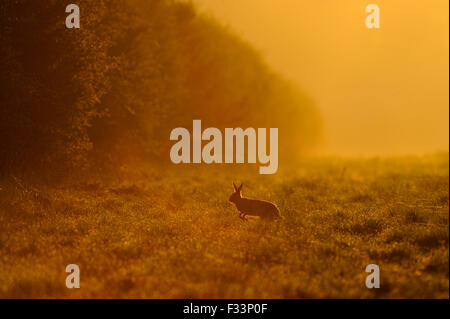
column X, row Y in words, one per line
column 171, row 233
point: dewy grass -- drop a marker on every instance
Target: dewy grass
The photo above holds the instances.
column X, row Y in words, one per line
column 172, row 233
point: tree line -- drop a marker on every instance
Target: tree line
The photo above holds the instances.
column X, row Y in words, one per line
column 110, row 92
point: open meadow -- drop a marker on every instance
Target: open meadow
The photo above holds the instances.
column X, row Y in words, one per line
column 171, row 232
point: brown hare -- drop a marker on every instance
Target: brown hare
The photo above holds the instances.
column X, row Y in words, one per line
column 253, row 207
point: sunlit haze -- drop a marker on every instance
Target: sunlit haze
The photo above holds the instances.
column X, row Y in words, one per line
column 380, row 91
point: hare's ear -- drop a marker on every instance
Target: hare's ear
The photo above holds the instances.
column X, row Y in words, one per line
column 240, row 187
column 235, row 188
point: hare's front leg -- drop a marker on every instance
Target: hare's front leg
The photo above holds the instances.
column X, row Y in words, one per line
column 242, row 216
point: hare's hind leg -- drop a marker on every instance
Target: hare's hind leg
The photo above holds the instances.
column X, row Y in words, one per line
column 243, row 217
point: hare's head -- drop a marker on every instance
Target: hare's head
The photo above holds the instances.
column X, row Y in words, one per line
column 237, row 193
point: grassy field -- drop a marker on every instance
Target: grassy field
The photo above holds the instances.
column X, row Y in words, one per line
column 171, row 233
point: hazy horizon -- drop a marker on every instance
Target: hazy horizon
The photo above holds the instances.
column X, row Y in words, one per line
column 380, row 91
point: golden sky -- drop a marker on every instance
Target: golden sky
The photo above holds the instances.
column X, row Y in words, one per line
column 381, row 91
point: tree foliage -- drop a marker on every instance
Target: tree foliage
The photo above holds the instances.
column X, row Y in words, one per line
column 111, row 91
